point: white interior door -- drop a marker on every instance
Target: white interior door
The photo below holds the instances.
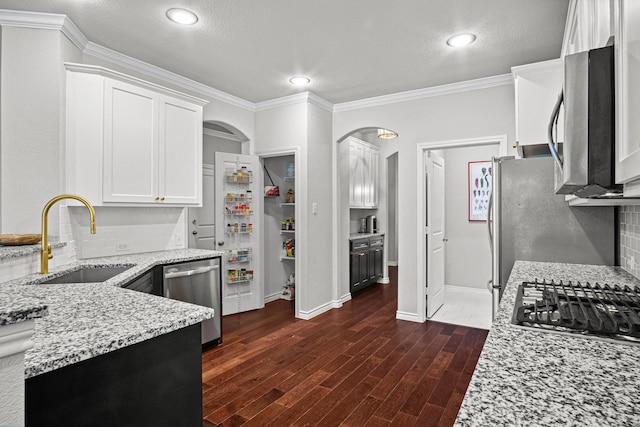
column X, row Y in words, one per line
column 434, row 229
column 202, row 232
column 238, row 226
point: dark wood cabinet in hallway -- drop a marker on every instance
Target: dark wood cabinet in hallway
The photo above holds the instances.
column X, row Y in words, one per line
column 354, row 366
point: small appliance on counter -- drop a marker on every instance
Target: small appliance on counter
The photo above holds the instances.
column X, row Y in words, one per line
column 363, row 225
column 372, row 224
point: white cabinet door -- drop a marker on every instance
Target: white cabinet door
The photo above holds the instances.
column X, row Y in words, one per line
column 537, row 89
column 372, row 200
column 588, row 25
column 627, row 66
column 363, row 179
column 130, row 143
column 180, row 152
column 356, row 177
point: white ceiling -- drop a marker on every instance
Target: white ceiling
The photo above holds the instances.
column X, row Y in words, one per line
column 351, row 49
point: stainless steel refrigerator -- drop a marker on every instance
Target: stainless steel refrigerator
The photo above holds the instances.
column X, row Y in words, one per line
column 528, row 221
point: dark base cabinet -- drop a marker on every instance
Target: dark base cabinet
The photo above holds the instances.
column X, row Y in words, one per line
column 366, row 262
column 359, row 265
column 157, row 382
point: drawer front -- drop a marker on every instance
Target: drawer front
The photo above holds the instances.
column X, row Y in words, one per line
column 359, row 245
column 376, row 241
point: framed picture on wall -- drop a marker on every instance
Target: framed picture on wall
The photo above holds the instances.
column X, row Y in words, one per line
column 479, row 189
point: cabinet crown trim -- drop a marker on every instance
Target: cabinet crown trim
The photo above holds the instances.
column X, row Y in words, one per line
column 106, row 72
column 536, row 66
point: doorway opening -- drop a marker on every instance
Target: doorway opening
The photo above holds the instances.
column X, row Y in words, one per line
column 350, row 217
column 217, row 137
column 281, row 225
column 465, row 266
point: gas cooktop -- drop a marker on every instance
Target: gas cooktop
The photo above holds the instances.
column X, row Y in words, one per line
column 582, row 309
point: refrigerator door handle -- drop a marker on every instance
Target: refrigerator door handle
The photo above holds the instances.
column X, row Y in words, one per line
column 490, row 221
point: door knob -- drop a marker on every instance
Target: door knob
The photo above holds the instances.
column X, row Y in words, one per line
column 220, row 242
column 445, row 240
column 194, row 232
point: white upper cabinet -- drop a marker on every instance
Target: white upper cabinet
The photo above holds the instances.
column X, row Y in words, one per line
column 130, row 142
column 588, row 26
column 627, row 52
column 537, row 87
column 363, row 179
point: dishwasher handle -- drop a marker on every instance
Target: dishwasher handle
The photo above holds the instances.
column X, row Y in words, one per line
column 173, row 275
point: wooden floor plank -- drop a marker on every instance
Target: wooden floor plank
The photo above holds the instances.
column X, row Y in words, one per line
column 354, row 366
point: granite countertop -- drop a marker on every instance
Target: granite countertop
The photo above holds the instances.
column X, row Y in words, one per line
column 526, row 377
column 84, row 320
column 22, row 250
column 354, row 236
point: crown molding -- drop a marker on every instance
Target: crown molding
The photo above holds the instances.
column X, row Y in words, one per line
column 44, row 21
column 536, row 66
column 106, row 72
column 411, row 95
column 149, row 70
column 298, row 98
column 320, row 102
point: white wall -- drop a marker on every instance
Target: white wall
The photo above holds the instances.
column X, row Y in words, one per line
column 322, row 289
column 470, row 114
column 31, row 125
column 467, row 256
column 306, row 129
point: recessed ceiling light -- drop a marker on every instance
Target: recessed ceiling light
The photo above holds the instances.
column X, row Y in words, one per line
column 299, row 80
column 182, row 16
column 460, row 40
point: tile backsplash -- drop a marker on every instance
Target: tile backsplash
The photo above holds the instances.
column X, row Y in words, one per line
column 630, row 239
column 120, row 231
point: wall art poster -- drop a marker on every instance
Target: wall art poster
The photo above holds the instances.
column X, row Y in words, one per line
column 479, row 189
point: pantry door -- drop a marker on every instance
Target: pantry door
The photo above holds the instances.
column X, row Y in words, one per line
column 238, row 225
column 434, row 176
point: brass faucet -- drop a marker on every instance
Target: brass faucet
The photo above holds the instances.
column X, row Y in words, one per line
column 45, row 252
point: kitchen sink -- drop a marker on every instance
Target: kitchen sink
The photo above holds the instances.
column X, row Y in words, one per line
column 89, row 275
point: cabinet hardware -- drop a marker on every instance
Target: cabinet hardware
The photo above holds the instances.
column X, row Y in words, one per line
column 157, row 198
column 194, row 232
column 161, row 198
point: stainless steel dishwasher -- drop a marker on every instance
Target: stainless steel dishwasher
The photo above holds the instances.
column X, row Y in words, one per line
column 197, row 282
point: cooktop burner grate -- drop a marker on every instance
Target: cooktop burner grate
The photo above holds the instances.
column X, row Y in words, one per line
column 598, row 310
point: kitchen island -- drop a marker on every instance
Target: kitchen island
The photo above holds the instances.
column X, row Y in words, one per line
column 116, row 333
column 526, row 377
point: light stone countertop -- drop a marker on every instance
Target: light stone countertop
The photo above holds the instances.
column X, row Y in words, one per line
column 22, row 250
column 355, row 236
column 526, row 378
column 78, row 321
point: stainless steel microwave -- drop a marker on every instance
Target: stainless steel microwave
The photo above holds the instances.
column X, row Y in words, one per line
column 585, row 167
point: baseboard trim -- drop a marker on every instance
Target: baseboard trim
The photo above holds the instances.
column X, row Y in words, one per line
column 307, row 315
column 410, row 317
column 384, row 280
column 272, row 297
column 392, row 263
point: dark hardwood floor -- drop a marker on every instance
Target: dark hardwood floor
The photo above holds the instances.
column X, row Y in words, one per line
column 354, row 366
